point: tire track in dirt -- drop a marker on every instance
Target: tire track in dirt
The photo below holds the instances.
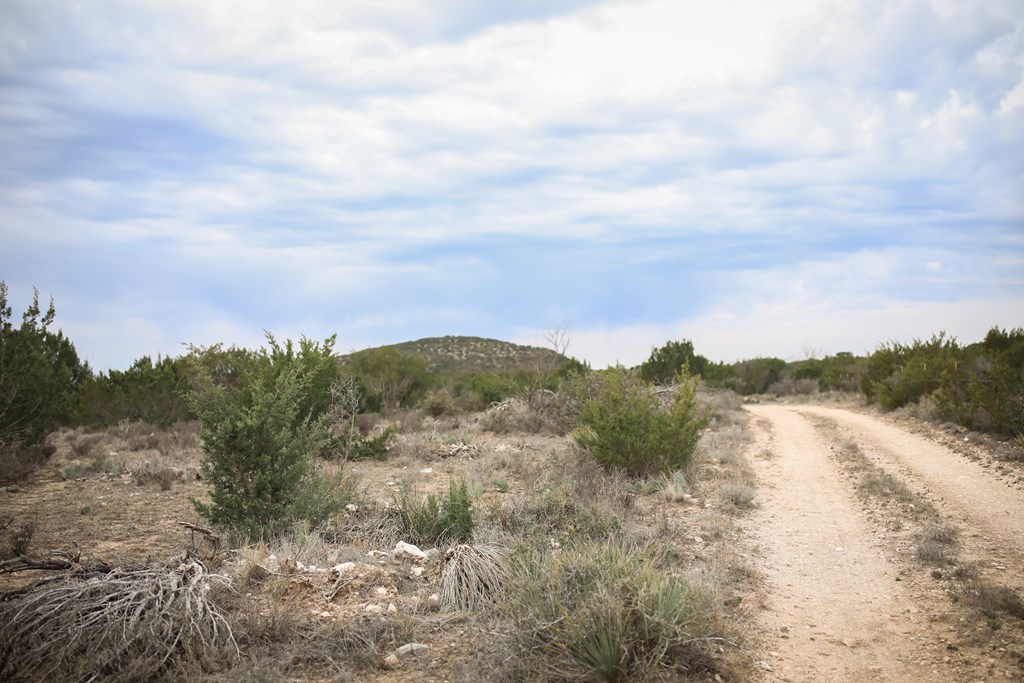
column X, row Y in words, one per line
column 989, row 512
column 836, row 610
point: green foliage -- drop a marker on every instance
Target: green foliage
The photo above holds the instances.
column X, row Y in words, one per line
column 145, row 392
column 39, row 374
column 979, row 386
column 624, row 426
column 984, row 388
column 258, row 442
column 430, row 521
column 317, row 364
column 438, row 402
column 156, row 392
column 608, row 611
column 898, row 374
column 391, row 378
column 755, row 375
column 665, row 363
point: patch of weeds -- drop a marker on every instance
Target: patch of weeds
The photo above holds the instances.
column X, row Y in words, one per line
column 736, row 496
column 675, row 488
column 608, row 612
column 83, row 444
column 993, row 600
column 935, row 543
column 21, row 538
column 154, row 471
column 553, row 513
column 884, row 486
column 500, row 485
column 18, row 461
column 430, row 520
column 75, row 469
column 108, row 466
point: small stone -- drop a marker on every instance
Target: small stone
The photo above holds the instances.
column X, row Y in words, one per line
column 417, row 571
column 391, row 661
column 403, row 548
column 411, row 649
column 381, row 591
column 373, row 609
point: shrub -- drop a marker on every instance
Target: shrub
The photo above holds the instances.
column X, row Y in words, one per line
column 39, row 373
column 18, row 461
column 438, row 402
column 258, row 443
column 429, row 521
column 607, row 612
column 624, row 426
column 665, row 363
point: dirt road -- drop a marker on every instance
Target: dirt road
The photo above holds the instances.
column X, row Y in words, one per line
column 846, row 599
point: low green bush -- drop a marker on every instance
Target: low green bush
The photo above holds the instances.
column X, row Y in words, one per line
column 431, row 520
column 624, row 425
column 258, row 442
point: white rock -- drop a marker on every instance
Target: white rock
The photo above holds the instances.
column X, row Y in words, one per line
column 392, row 609
column 403, row 548
column 411, row 649
column 417, row 571
column 427, row 470
column 373, row 609
column 352, row 507
column 343, row 567
column 382, row 591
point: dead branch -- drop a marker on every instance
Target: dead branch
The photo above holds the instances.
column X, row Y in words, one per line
column 122, row 626
column 210, row 535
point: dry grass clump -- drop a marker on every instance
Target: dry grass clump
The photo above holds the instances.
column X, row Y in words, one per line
column 157, row 623
column 155, row 471
column 675, row 488
column 18, row 461
column 736, row 496
column 934, row 544
column 610, row 611
column 880, row 484
column 473, row 576
column 83, row 444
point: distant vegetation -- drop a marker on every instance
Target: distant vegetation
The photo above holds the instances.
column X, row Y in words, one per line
column 45, row 385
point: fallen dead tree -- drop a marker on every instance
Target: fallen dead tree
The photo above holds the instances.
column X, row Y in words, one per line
column 118, row 625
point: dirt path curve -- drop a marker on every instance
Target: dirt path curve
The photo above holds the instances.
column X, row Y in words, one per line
column 836, row 609
column 989, row 512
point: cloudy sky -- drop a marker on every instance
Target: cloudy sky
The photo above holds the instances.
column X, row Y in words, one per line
column 764, row 178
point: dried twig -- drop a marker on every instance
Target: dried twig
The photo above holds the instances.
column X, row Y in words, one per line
column 210, row 535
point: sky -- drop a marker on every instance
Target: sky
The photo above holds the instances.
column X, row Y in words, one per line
column 781, row 179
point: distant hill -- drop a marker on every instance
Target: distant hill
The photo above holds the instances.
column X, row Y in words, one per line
column 476, row 354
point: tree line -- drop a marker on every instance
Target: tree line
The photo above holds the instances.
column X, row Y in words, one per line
column 45, row 385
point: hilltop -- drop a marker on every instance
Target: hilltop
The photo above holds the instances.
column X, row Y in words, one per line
column 475, row 354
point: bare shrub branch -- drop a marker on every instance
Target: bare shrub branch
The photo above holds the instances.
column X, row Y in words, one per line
column 126, row 625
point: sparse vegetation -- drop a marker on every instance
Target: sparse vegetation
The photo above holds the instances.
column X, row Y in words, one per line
column 430, row 520
column 609, row 611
